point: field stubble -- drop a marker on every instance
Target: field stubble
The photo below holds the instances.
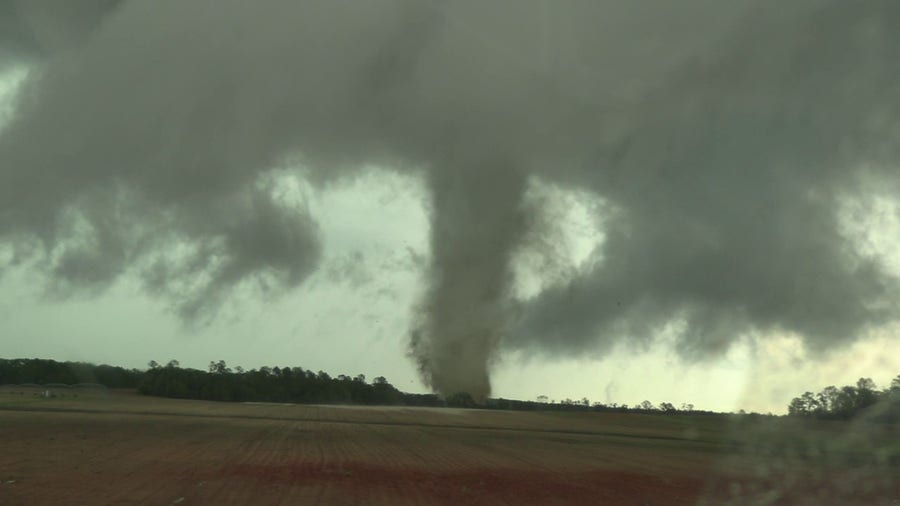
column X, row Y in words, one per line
column 120, row 448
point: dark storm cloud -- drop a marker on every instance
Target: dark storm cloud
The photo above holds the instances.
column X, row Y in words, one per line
column 32, row 29
column 722, row 138
column 728, row 185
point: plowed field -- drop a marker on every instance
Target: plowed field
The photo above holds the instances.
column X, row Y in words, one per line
column 128, row 449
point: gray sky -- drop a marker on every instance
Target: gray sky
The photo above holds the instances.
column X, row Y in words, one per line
column 599, row 199
column 338, row 328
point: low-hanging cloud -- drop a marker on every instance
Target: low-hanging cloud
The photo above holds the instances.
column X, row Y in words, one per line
column 721, row 137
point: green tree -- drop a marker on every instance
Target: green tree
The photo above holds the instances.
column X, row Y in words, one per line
column 219, row 367
column 797, row 407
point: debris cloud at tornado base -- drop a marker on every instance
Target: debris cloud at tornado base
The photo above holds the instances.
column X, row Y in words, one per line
column 725, row 141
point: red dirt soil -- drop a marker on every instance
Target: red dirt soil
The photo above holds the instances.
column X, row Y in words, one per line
column 478, row 486
column 135, row 450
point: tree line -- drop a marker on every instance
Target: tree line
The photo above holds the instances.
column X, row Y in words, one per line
column 849, row 401
column 266, row 384
column 219, row 382
column 49, row 372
